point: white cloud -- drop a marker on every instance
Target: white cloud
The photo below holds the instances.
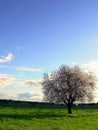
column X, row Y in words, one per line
column 91, row 66
column 22, row 68
column 28, row 96
column 28, row 69
column 74, row 63
column 18, row 48
column 30, row 83
column 7, row 58
column 6, row 95
column 6, row 80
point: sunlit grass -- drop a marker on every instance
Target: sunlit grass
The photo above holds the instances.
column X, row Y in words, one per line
column 38, row 117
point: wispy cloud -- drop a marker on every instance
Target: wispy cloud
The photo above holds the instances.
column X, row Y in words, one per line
column 7, row 95
column 30, row 83
column 7, row 58
column 74, row 63
column 6, row 80
column 28, row 69
column 23, row 68
column 18, row 48
column 91, row 66
column 28, row 96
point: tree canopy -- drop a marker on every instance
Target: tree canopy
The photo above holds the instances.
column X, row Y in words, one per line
column 67, row 85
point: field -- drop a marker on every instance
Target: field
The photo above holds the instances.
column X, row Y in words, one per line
column 25, row 116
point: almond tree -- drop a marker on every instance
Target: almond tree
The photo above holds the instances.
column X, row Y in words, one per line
column 67, row 85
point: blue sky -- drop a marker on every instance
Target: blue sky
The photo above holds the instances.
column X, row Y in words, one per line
column 37, row 36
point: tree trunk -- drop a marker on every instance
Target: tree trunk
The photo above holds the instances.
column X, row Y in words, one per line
column 69, row 108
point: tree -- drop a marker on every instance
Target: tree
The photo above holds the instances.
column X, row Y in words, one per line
column 67, row 85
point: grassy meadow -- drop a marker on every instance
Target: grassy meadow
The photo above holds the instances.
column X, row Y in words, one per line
column 25, row 116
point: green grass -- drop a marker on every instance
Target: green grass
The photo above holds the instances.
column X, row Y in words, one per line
column 39, row 117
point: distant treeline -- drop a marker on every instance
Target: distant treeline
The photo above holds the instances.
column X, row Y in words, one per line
column 5, row 102
column 22, row 103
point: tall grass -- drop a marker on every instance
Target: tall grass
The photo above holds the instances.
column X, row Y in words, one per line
column 39, row 117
